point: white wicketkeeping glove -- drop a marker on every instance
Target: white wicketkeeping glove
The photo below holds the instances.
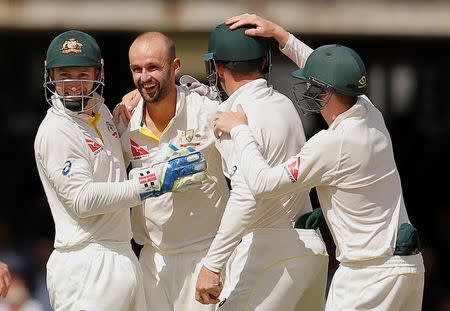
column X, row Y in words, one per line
column 187, row 168
column 196, row 86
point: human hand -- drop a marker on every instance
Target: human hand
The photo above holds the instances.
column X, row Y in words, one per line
column 124, row 110
column 185, row 169
column 208, row 287
column 262, row 27
column 224, row 122
column 196, row 86
column 311, row 220
column 5, row 279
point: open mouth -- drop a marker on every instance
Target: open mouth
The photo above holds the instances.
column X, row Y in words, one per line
column 150, row 87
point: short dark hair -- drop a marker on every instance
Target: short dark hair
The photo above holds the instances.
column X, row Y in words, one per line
column 241, row 67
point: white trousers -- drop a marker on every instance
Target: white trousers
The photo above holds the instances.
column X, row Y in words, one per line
column 276, row 270
column 95, row 277
column 392, row 284
column 170, row 278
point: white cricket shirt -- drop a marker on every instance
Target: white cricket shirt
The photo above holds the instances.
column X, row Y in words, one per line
column 183, row 221
column 279, row 133
column 80, row 163
column 352, row 166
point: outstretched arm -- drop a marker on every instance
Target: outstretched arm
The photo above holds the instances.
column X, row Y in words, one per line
column 263, row 27
column 314, row 164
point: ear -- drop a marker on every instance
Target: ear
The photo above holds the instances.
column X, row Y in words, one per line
column 51, row 73
column 220, row 69
column 97, row 74
column 176, row 65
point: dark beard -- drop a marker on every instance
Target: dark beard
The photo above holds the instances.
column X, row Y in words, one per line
column 159, row 95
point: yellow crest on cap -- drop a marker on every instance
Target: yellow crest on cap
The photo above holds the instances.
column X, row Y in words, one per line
column 71, row 46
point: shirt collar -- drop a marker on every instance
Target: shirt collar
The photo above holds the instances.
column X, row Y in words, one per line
column 356, row 110
column 137, row 119
column 248, row 88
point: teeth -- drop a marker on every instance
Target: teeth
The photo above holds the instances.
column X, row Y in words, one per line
column 147, row 85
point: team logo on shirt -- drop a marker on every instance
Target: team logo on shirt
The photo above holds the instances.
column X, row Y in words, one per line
column 293, row 169
column 189, row 138
column 189, row 134
column 93, row 145
column 112, row 130
column 138, row 151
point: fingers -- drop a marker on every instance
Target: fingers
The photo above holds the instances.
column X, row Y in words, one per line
column 224, row 122
column 5, row 280
column 209, row 296
column 116, row 115
column 237, row 21
column 126, row 116
column 208, row 287
column 121, row 114
column 240, row 109
column 207, row 299
column 217, row 131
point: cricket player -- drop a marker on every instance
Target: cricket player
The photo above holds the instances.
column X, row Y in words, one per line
column 266, row 263
column 80, row 163
column 352, row 166
column 175, row 229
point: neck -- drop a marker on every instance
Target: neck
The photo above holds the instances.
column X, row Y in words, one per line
column 158, row 114
column 233, row 83
column 333, row 109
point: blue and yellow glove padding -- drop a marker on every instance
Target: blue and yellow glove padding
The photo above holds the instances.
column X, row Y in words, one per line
column 186, row 168
column 310, row 220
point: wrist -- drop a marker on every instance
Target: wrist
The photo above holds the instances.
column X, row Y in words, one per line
column 281, row 35
column 235, row 130
column 209, row 267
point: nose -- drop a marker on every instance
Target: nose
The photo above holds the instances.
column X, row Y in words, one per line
column 146, row 76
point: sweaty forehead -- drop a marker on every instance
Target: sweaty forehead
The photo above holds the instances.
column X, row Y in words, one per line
column 154, row 50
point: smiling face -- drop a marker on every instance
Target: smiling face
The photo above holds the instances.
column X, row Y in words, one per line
column 74, row 82
column 153, row 66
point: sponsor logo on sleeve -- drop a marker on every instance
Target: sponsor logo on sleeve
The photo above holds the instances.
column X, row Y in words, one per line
column 293, row 169
column 66, row 168
column 233, row 170
column 93, row 145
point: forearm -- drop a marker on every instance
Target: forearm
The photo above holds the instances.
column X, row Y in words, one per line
column 96, row 198
column 281, row 35
column 235, row 220
column 296, row 50
column 263, row 181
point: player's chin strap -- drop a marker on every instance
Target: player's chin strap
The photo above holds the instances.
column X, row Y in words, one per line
column 267, row 70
